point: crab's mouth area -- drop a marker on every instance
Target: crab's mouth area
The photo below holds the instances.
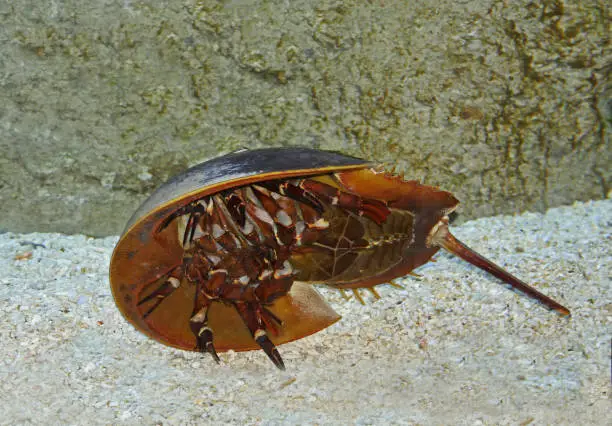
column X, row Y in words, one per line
column 438, row 233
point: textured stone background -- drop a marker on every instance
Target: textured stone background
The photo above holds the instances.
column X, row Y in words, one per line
column 507, row 104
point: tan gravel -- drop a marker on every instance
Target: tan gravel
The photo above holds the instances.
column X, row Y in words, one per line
column 453, row 347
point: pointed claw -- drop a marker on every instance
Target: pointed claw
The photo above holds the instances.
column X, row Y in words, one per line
column 211, row 350
column 270, row 350
column 251, row 314
column 204, row 334
column 205, row 343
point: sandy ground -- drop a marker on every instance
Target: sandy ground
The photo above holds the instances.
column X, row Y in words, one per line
column 452, row 347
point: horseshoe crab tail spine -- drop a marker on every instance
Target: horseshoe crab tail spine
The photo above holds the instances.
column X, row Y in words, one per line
column 446, row 240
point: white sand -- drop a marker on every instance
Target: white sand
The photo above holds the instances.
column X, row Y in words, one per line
column 453, row 347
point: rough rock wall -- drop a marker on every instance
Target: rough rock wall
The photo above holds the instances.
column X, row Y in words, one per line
column 507, row 104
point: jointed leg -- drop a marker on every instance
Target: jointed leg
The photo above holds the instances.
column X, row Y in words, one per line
column 195, row 210
column 372, row 209
column 203, row 333
column 253, row 317
column 165, row 289
column 294, row 192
